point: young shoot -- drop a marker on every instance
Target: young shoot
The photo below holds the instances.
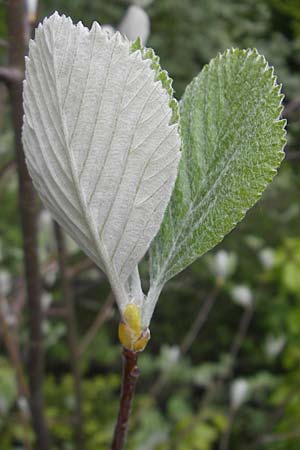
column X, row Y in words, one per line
column 125, row 170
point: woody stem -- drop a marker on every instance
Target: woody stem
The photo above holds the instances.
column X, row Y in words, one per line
column 129, row 379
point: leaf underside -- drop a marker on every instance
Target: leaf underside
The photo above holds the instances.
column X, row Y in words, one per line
column 98, row 140
column 232, row 143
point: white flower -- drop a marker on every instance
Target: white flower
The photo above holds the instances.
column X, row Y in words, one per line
column 173, row 354
column 135, row 23
column 5, row 282
column 239, row 391
column 224, row 264
column 50, row 276
column 109, row 29
column 169, row 356
column 267, row 257
column 32, row 9
column 242, row 295
column 45, row 219
column 7, row 314
column 46, row 300
column 274, row 345
column 23, row 405
column 142, row 3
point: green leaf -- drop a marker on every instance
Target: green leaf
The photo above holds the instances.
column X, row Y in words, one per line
column 232, row 142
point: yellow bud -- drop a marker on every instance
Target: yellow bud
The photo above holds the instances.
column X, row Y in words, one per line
column 126, row 337
column 142, row 341
column 131, row 334
column 132, row 317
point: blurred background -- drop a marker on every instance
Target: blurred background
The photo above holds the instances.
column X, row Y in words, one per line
column 222, row 370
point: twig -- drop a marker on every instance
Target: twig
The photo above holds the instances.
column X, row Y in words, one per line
column 198, row 323
column 233, row 353
column 104, row 313
column 13, row 351
column 18, row 300
column 189, row 338
column 71, row 336
column 56, row 312
column 11, row 75
column 129, row 379
column 281, row 437
column 81, row 266
column 18, row 35
column 3, row 43
column 240, row 335
column 276, row 416
column 85, row 264
column 7, row 167
column 224, row 442
column 215, row 385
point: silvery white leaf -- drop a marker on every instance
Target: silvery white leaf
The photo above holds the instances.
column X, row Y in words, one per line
column 98, row 142
column 135, row 23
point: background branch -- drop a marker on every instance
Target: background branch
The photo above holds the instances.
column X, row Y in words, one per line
column 104, row 314
column 215, row 385
column 71, row 335
column 13, row 351
column 9, row 165
column 11, row 75
column 18, row 30
column 189, row 338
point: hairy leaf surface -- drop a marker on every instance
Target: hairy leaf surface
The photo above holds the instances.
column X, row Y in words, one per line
column 98, row 141
column 232, row 141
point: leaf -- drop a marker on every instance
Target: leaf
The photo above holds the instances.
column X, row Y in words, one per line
column 232, row 141
column 99, row 142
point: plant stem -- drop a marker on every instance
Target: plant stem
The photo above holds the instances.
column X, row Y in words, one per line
column 129, row 379
column 71, row 335
column 18, row 30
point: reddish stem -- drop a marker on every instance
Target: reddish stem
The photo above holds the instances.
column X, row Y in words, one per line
column 129, row 379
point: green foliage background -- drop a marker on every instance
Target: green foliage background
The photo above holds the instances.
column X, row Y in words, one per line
column 186, row 34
